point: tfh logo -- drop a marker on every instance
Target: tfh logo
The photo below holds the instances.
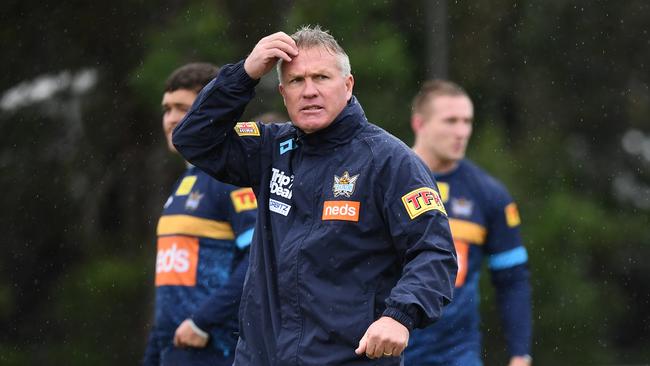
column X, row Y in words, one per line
column 422, row 200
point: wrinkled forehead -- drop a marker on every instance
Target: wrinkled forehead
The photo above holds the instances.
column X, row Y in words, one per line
column 320, row 48
column 313, row 56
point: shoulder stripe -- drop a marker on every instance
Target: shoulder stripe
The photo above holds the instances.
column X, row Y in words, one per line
column 468, row 231
column 195, row 226
column 509, row 258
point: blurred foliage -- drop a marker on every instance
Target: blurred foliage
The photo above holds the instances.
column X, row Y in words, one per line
column 378, row 54
column 556, row 84
column 104, row 280
column 582, row 263
column 197, row 34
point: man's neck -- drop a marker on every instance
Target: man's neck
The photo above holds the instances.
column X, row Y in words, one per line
column 438, row 166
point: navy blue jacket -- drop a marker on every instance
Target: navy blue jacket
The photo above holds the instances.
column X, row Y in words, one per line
column 350, row 227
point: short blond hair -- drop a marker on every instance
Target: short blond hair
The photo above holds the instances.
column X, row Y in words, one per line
column 435, row 88
column 309, row 37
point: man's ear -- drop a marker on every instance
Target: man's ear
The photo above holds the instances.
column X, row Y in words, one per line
column 349, row 84
column 417, row 120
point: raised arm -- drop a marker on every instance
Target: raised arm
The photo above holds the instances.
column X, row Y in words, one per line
column 209, row 135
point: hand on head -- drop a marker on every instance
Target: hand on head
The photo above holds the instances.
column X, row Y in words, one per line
column 267, row 52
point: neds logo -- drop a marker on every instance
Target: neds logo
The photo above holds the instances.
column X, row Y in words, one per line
column 173, row 259
column 176, row 261
column 341, row 210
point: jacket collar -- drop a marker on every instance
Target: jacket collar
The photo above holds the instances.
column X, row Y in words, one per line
column 448, row 174
column 342, row 130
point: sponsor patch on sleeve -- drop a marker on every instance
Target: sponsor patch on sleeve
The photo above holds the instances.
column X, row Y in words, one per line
column 247, row 129
column 243, row 199
column 512, row 215
column 186, row 185
column 444, row 191
column 422, row 200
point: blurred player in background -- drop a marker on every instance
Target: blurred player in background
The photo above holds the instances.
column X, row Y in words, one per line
column 203, row 238
column 484, row 223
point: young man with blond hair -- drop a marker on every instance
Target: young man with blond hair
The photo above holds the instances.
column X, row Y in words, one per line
column 484, row 224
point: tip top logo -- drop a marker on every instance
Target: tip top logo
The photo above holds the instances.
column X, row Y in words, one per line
column 247, row 129
column 344, row 185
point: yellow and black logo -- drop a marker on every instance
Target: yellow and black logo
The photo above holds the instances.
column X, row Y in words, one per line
column 247, row 129
column 422, row 200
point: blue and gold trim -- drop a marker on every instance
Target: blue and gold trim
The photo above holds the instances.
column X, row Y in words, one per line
column 468, row 231
column 194, row 226
column 507, row 259
column 244, row 239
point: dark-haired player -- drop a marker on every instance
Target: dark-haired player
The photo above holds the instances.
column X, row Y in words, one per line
column 203, row 239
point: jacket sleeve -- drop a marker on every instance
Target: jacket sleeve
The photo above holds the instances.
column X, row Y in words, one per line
column 508, row 263
column 222, row 306
column 513, row 299
column 419, row 227
column 224, row 302
column 207, row 138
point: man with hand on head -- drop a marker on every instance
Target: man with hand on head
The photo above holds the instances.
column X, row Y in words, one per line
column 484, row 223
column 352, row 248
column 204, row 235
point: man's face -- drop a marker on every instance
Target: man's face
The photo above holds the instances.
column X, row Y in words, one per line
column 314, row 89
column 175, row 105
column 446, row 127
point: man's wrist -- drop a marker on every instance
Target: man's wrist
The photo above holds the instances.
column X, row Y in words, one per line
column 401, row 317
column 243, row 76
column 528, row 359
